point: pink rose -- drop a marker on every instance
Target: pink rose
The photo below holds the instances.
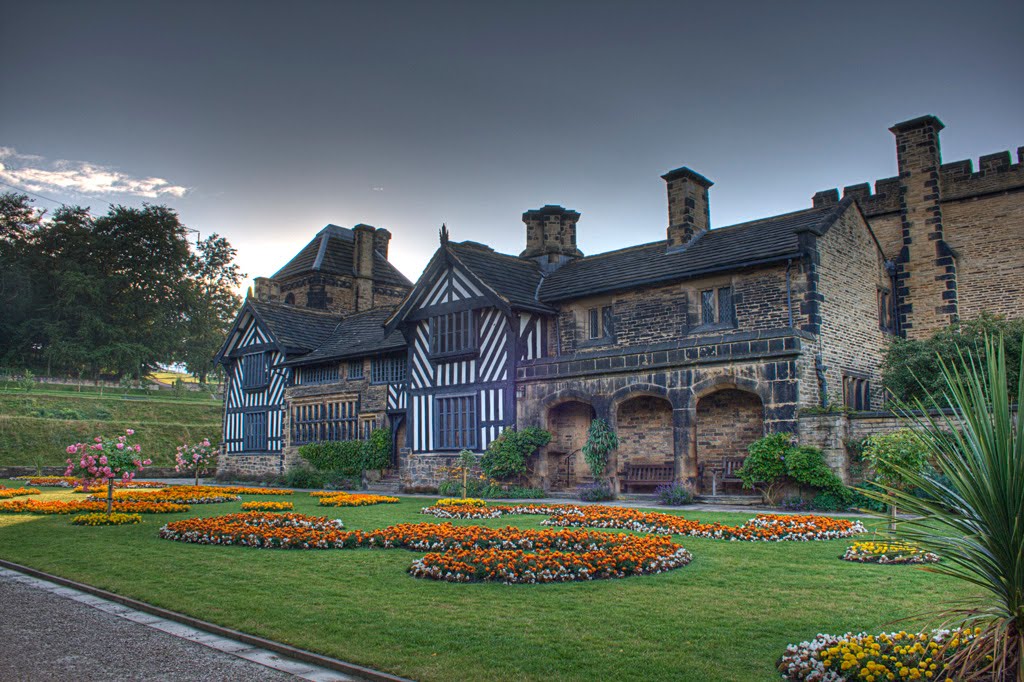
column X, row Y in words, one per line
column 103, row 459
column 130, row 432
column 120, row 446
column 138, row 448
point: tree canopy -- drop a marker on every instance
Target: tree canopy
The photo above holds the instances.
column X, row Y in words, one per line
column 110, row 295
column 911, row 368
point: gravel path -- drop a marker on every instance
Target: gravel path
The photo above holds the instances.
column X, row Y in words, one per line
column 51, row 632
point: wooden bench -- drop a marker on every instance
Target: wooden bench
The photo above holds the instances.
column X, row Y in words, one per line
column 647, row 474
column 726, row 473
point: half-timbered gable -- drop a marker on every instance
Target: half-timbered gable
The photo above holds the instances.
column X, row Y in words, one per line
column 470, row 318
column 264, row 336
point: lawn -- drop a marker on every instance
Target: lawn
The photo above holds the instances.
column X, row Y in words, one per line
column 726, row 616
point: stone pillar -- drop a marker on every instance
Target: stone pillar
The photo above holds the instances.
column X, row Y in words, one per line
column 689, row 212
column 685, row 470
column 551, row 234
column 926, row 268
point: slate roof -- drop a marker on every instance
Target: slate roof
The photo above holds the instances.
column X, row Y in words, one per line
column 357, row 335
column 299, row 330
column 514, row 279
column 330, row 252
column 725, row 248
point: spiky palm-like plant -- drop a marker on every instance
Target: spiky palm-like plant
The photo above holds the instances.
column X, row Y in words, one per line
column 973, row 516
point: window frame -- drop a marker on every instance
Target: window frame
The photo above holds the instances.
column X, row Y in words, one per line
column 382, row 370
column 249, row 382
column 710, row 306
column 445, row 334
column 856, row 392
column 255, row 442
column 350, row 375
column 455, row 437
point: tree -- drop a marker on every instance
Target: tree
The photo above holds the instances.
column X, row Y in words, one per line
column 911, row 369
column 506, row 455
column 890, row 455
column 212, row 304
column 107, row 459
column 197, row 458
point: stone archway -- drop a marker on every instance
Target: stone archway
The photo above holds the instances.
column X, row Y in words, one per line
column 646, row 436
column 568, row 423
column 728, row 420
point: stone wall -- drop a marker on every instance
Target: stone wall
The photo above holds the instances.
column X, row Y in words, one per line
column 851, row 273
column 644, row 427
column 663, row 314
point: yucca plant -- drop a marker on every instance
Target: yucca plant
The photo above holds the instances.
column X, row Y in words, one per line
column 973, row 515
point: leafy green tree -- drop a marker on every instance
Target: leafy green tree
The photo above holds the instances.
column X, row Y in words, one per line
column 212, row 304
column 764, row 469
column 912, row 369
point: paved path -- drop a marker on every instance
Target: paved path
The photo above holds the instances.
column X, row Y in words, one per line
column 52, row 632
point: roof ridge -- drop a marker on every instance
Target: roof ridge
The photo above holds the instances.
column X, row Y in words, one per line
column 492, row 252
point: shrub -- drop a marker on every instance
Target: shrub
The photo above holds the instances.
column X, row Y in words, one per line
column 507, row 454
column 806, row 466
column 601, row 442
column 350, row 458
column 674, row 494
column 796, row 503
column 830, row 501
column 595, row 492
column 892, row 455
column 764, row 469
column 305, row 477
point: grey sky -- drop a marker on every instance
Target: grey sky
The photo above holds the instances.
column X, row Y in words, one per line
column 282, row 117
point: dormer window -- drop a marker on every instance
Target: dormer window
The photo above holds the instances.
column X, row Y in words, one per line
column 453, row 334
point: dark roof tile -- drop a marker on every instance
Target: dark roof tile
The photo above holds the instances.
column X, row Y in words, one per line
column 336, row 244
column 357, row 335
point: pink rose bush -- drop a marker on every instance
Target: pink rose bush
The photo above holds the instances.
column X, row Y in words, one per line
column 197, row 458
column 106, row 459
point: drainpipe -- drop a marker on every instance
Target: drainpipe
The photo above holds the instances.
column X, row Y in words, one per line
column 789, row 292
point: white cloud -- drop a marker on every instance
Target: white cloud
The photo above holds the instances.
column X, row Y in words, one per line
column 34, row 174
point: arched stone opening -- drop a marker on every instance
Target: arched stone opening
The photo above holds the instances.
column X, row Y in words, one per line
column 645, row 430
column 568, row 423
column 728, row 421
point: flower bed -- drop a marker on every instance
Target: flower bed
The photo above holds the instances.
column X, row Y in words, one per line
column 355, row 500
column 50, row 481
column 104, row 519
column 184, row 494
column 886, row 656
column 267, row 505
column 888, row 553
column 7, row 493
column 242, row 490
column 454, row 554
column 61, row 507
column 460, row 501
column 100, row 486
column 763, row 527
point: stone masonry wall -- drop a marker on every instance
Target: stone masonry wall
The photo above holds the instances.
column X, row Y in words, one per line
column 987, row 233
column 851, row 274
column 666, row 313
column 644, row 427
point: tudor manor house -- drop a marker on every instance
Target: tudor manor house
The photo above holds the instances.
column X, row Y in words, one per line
column 690, row 347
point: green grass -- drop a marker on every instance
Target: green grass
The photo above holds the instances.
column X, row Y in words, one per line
column 726, row 616
column 35, row 429
column 39, row 388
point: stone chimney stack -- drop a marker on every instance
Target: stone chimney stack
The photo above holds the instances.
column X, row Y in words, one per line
column 266, row 290
column 551, row 236
column 689, row 213
column 362, row 266
column 381, row 239
column 926, row 268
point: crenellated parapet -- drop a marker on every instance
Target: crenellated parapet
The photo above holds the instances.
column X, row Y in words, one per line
column 958, row 180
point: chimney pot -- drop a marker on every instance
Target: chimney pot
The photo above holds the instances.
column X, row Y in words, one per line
column 381, row 240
